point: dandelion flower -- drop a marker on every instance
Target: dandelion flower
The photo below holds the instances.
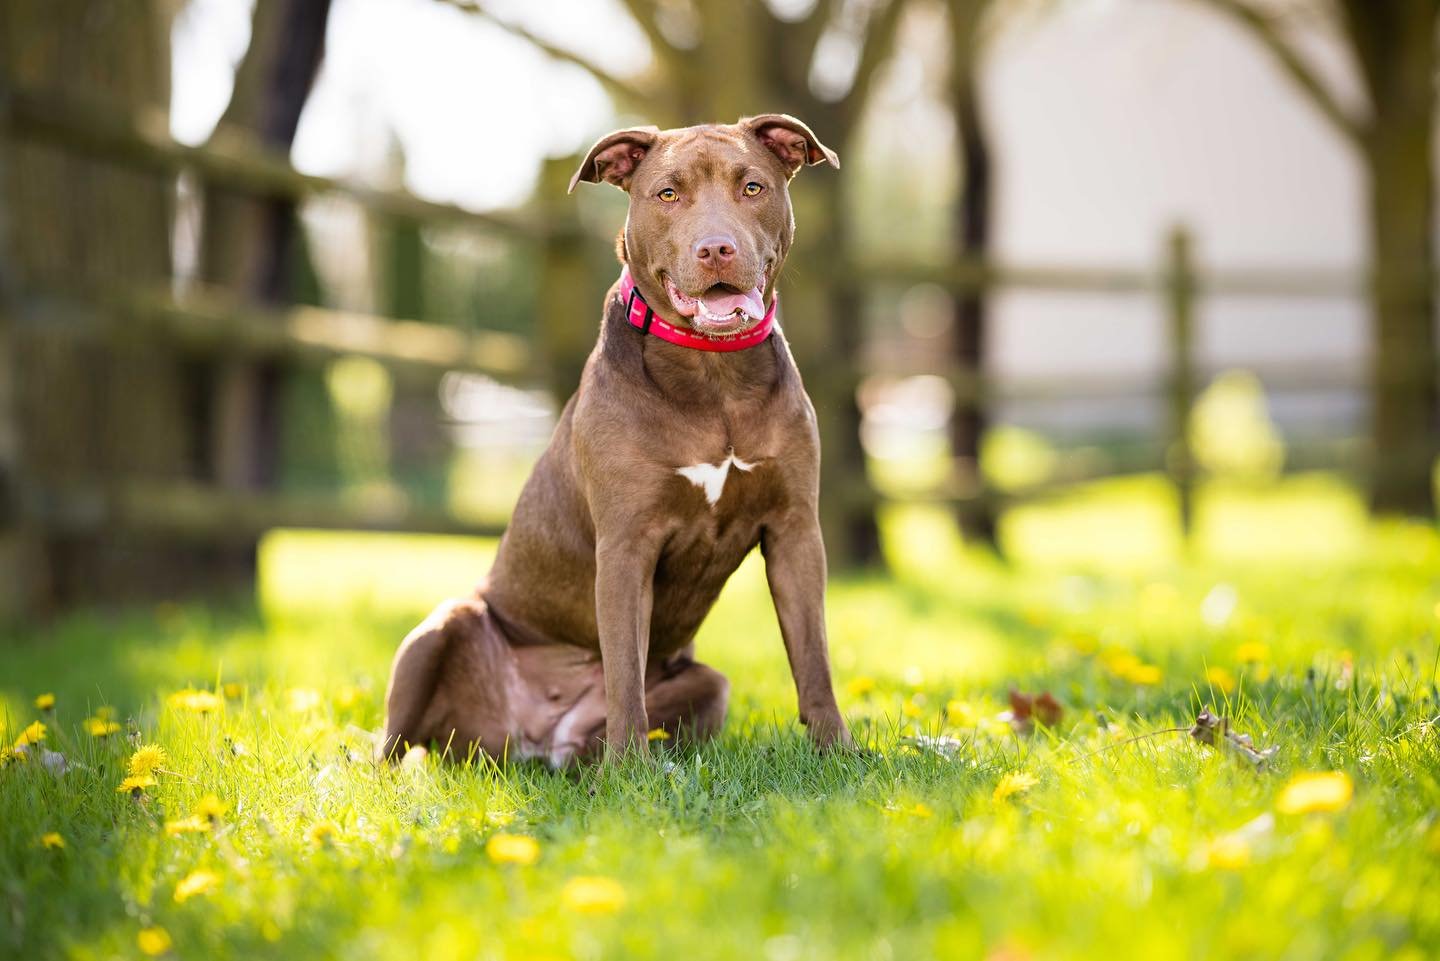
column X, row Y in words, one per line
column 1308, row 793
column 153, row 941
column 301, row 699
column 658, row 734
column 513, row 849
column 1146, row 675
column 100, row 727
column 196, row 883
column 232, row 690
column 1220, row 679
column 10, row 756
column 135, row 783
column 45, row 702
column 200, row 702
column 33, row 734
column 210, row 807
column 861, row 686
column 1253, row 652
column 194, row 824
column 147, row 760
column 52, row 841
column 1014, row 783
column 322, row 833
column 1227, row 853
column 593, row 895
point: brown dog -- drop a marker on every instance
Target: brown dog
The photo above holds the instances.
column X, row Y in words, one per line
column 690, row 441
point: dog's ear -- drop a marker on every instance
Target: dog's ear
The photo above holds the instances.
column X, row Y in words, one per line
column 789, row 139
column 615, row 156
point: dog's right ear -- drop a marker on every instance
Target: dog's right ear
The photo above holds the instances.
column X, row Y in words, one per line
column 615, row 156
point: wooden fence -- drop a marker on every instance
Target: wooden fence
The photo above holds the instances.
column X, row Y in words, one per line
column 201, row 320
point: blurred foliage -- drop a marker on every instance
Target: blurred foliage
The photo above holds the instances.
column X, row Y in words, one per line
column 1231, row 432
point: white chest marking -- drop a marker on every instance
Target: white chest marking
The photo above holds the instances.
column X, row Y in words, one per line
column 711, row 477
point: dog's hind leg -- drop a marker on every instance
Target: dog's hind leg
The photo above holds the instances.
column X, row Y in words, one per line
column 446, row 682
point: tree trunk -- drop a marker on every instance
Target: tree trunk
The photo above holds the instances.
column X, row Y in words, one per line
column 248, row 243
column 972, row 241
column 823, row 321
column 1398, row 149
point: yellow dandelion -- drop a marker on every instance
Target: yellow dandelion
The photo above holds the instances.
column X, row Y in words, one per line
column 148, row 759
column 861, row 686
column 210, row 807
column 348, row 697
column 10, row 756
column 913, row 708
column 1309, row 793
column 52, row 841
column 322, row 833
column 593, row 895
column 195, row 884
column 135, row 783
column 198, row 702
column 45, row 702
column 153, row 941
column 300, row 699
column 33, row 734
column 194, row 824
column 233, row 690
column 1253, row 652
column 1227, row 853
column 658, row 734
column 1147, row 675
column 100, row 727
column 513, row 849
column 1014, row 783
column 1220, row 679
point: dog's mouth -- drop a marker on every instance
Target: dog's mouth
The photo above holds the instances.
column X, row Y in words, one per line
column 720, row 308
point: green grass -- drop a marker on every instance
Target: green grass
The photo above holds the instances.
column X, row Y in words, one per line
column 754, row 846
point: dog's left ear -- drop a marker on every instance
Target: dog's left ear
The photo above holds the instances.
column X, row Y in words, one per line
column 789, row 139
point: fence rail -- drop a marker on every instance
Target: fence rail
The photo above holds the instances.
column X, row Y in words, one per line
column 214, row 321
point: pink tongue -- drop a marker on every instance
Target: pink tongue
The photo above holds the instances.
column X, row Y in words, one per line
column 750, row 302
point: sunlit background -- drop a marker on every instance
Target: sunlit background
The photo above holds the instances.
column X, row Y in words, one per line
column 1072, row 241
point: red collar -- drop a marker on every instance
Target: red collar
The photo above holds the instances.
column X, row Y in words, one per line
column 638, row 312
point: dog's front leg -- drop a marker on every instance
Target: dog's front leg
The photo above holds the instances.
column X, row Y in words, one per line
column 795, row 567
column 624, row 594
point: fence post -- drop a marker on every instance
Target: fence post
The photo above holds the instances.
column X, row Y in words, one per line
column 1180, row 284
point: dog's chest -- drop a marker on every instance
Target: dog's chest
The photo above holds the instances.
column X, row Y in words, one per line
column 710, row 479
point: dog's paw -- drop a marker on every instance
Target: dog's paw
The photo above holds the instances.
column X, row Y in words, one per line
column 829, row 733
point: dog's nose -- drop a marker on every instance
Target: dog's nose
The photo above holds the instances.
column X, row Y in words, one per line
column 714, row 251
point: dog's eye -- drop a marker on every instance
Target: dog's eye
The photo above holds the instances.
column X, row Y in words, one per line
column 668, row 195
column 752, row 189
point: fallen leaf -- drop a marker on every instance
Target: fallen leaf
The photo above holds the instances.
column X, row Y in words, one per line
column 1027, row 709
column 1215, row 731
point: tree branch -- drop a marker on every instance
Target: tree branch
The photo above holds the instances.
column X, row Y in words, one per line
column 875, row 49
column 617, row 86
column 1265, row 29
column 643, row 13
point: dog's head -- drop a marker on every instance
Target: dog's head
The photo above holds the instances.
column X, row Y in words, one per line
column 710, row 220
